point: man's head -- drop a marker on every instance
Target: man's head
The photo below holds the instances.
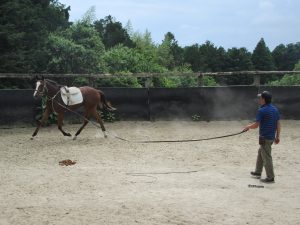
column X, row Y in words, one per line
column 265, row 98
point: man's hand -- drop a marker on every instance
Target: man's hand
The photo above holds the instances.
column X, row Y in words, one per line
column 277, row 140
column 246, row 129
column 251, row 126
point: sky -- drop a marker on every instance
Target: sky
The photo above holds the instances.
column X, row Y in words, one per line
column 225, row 23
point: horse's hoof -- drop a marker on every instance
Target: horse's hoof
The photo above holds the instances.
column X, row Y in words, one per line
column 105, row 135
column 74, row 138
column 31, row 138
column 68, row 135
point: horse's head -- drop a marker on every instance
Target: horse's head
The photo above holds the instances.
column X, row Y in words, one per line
column 40, row 87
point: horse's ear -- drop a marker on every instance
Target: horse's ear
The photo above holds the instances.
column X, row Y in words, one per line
column 42, row 77
column 36, row 77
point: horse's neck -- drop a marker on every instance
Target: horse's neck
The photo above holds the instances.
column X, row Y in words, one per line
column 52, row 89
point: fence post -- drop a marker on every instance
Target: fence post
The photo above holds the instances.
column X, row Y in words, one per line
column 148, row 82
column 256, row 80
column 200, row 80
column 92, row 81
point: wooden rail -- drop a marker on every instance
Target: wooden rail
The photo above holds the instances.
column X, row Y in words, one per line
column 256, row 75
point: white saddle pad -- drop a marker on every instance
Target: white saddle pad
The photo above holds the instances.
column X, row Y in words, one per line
column 71, row 95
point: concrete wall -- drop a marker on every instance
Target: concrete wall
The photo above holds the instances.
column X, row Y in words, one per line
column 17, row 106
column 287, row 99
column 210, row 103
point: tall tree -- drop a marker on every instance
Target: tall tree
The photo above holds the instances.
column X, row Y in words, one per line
column 77, row 49
column 165, row 56
column 112, row 32
column 192, row 56
column 279, row 55
column 176, row 50
column 238, row 59
column 25, row 25
column 262, row 58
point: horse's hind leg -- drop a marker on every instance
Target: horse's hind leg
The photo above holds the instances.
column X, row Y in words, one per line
column 60, row 118
column 100, row 121
column 40, row 123
column 85, row 122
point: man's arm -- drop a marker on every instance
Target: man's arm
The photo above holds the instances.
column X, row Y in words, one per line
column 278, row 130
column 252, row 126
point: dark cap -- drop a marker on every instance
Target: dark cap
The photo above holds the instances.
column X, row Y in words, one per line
column 265, row 95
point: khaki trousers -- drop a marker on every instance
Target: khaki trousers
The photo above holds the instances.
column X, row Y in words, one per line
column 264, row 159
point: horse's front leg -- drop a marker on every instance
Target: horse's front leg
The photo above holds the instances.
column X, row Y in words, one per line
column 60, row 118
column 41, row 122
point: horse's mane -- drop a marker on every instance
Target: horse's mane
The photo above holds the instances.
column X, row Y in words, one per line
column 53, row 82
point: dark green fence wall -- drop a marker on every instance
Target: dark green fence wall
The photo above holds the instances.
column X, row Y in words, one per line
column 209, row 103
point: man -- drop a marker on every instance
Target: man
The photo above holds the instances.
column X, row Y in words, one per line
column 267, row 119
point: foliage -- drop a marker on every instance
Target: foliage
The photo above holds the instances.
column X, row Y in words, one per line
column 25, row 26
column 120, row 81
column 285, row 57
column 196, row 117
column 108, row 116
column 78, row 49
column 37, row 37
column 289, row 79
column 262, row 60
column 80, row 81
column 237, row 59
column 120, row 58
column 112, row 33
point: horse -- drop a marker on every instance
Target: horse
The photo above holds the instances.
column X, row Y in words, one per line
column 91, row 100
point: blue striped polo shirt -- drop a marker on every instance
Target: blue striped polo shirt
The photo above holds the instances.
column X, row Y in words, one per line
column 267, row 116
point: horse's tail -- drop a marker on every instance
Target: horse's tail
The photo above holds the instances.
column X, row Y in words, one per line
column 105, row 103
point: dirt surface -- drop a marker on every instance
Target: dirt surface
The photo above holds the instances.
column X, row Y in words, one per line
column 116, row 182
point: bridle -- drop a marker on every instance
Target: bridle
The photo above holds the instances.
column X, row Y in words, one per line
column 44, row 90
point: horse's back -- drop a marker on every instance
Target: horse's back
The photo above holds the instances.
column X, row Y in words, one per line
column 91, row 96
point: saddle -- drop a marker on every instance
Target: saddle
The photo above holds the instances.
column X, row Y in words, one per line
column 71, row 95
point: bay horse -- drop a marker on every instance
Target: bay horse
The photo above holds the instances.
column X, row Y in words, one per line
column 91, row 100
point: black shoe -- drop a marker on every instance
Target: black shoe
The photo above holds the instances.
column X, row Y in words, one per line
column 255, row 174
column 267, row 180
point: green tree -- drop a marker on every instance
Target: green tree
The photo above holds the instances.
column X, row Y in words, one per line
column 112, row 32
column 238, row 59
column 25, row 26
column 176, row 52
column 279, row 55
column 292, row 55
column 205, row 58
column 262, row 60
column 192, row 57
column 146, row 53
column 289, row 79
column 121, row 59
column 77, row 49
column 164, row 53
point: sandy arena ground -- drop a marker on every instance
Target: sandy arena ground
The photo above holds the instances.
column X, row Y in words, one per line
column 183, row 183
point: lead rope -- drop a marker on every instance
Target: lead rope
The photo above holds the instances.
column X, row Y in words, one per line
column 154, row 141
